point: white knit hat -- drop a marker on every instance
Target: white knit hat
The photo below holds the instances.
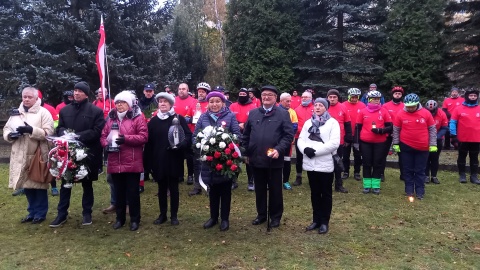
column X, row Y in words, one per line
column 166, row 96
column 125, row 96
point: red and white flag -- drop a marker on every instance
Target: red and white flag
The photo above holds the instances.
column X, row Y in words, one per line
column 101, row 59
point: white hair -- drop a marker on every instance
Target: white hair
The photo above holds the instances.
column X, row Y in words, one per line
column 284, row 96
column 30, row 89
column 307, row 92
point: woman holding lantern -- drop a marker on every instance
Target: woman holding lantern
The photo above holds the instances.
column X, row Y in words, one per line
column 124, row 135
column 372, row 127
column 217, row 115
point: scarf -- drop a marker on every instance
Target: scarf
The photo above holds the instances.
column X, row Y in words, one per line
column 317, row 122
column 373, row 107
column 121, row 115
column 216, row 115
column 165, row 115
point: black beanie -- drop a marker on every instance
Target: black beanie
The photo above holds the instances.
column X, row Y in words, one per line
column 83, row 86
column 333, row 92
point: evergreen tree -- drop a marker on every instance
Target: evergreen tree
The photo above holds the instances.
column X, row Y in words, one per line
column 415, row 46
column 340, row 42
column 262, row 39
column 463, row 26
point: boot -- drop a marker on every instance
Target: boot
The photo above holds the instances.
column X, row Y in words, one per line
column 357, row 176
column 473, row 174
column 367, row 185
column 427, row 179
column 382, row 177
column 376, row 185
column 463, row 178
column 298, row 180
column 234, row 183
column 461, row 171
column 345, row 175
column 197, row 189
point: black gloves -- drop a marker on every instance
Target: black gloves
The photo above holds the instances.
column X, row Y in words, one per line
column 25, row 129
column 378, row 130
column 310, row 152
column 12, row 138
column 120, row 140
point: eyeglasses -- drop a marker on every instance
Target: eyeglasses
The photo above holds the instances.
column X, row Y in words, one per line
column 120, row 102
column 268, row 95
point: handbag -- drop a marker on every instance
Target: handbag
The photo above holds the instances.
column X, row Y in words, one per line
column 338, row 163
column 38, row 169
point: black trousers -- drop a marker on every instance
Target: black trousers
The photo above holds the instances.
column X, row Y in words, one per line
column 471, row 149
column 287, row 166
column 126, row 189
column 299, row 157
column 357, row 158
column 433, row 160
column 220, row 200
column 373, row 157
column 249, row 173
column 87, row 199
column 321, row 195
column 338, row 173
column 271, row 177
column 386, row 149
column 189, row 158
column 165, row 184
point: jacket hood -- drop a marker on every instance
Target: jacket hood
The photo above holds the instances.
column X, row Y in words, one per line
column 34, row 109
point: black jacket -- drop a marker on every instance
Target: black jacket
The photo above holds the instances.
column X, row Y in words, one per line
column 263, row 131
column 163, row 162
column 86, row 120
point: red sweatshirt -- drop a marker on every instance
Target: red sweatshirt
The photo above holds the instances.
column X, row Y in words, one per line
column 414, row 128
column 108, row 106
column 367, row 118
column 340, row 113
column 451, row 103
column 468, row 123
column 242, row 111
column 393, row 108
column 186, row 108
column 303, row 114
column 353, row 109
column 296, row 101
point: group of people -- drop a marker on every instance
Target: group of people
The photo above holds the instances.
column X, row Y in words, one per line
column 156, row 134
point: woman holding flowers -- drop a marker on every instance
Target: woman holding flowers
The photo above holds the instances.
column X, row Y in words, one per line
column 126, row 165
column 218, row 177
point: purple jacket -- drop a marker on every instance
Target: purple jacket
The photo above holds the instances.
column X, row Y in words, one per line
column 134, row 128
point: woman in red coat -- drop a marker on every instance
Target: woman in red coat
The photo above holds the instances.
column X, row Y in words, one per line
column 126, row 164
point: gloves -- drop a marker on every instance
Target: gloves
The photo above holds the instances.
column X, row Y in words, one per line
column 310, row 152
column 433, row 149
column 120, row 140
column 12, row 138
column 348, row 139
column 25, row 129
column 396, row 148
column 378, row 130
column 188, row 119
column 356, row 146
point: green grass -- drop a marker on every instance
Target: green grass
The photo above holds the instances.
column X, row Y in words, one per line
column 366, row 232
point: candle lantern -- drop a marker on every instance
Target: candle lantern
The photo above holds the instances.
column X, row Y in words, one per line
column 15, row 122
column 176, row 133
column 198, row 112
column 114, row 131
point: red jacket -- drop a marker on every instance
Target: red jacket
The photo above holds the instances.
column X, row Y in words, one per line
column 296, row 101
column 185, row 108
column 60, row 106
column 108, row 106
column 51, row 110
column 241, row 111
column 130, row 156
column 303, row 114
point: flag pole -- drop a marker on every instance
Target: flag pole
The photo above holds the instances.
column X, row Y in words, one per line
column 107, row 74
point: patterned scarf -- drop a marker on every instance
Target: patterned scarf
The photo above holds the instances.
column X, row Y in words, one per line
column 164, row 116
column 216, row 115
column 317, row 122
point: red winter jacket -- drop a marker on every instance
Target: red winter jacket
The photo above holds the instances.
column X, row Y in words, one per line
column 130, row 156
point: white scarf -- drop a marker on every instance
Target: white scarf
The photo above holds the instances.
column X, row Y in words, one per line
column 121, row 115
column 164, row 116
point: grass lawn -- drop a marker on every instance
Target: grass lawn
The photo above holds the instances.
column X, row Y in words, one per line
column 366, row 232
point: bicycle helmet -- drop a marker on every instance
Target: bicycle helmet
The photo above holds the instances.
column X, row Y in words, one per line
column 374, row 94
column 354, row 92
column 397, row 89
column 411, row 100
column 219, row 88
column 68, row 93
column 431, row 105
column 204, row 85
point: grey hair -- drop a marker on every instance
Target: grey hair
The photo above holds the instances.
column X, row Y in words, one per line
column 31, row 89
column 284, row 96
column 307, row 92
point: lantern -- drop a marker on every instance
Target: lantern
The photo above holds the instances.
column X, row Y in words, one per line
column 113, row 146
column 176, row 133
column 198, row 112
column 15, row 122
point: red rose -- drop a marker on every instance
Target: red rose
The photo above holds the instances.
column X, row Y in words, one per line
column 61, row 152
column 228, row 151
column 231, row 146
column 71, row 165
column 209, row 158
column 229, row 162
column 217, row 154
column 233, row 167
column 219, row 167
column 235, row 155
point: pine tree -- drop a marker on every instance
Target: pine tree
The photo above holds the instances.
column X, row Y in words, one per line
column 415, row 46
column 262, row 40
column 463, row 26
column 340, row 43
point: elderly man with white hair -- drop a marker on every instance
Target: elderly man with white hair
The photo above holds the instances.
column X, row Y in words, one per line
column 36, row 123
column 285, row 103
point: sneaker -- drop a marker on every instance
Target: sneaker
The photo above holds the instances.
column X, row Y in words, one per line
column 366, row 190
column 141, row 189
column 376, row 191
column 234, row 185
column 100, row 171
column 251, row 187
column 345, row 175
column 427, row 179
column 190, row 180
column 357, row 176
column 18, row 192
column 58, row 221
column 298, row 181
column 87, row 220
column 435, row 180
column 195, row 191
column 287, row 186
column 341, row 190
column 55, row 192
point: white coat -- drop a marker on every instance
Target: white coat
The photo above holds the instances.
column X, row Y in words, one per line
column 322, row 161
column 23, row 148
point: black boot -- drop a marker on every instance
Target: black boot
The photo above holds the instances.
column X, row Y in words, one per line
column 298, row 181
column 473, row 174
column 461, row 171
column 463, row 178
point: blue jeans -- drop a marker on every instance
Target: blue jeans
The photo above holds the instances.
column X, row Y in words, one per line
column 37, row 203
column 413, row 164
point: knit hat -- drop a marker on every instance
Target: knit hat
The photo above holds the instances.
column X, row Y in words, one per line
column 325, row 102
column 216, row 94
column 125, row 96
column 269, row 88
column 333, row 92
column 166, row 96
column 83, row 86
